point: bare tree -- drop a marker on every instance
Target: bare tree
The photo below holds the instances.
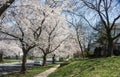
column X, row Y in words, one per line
column 104, row 9
column 79, row 29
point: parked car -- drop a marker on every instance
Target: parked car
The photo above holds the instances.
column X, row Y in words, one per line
column 37, row 62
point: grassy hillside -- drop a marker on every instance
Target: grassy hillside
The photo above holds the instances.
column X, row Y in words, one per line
column 100, row 67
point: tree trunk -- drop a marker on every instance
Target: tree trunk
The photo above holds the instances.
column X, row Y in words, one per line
column 110, row 47
column 80, row 46
column 44, row 59
column 110, row 44
column 88, row 50
column 1, row 57
column 53, row 59
column 81, row 49
column 24, row 58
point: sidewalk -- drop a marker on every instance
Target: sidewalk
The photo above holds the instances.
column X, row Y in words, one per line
column 47, row 72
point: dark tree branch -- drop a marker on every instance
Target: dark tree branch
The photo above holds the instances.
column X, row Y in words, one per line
column 53, row 28
column 42, row 50
column 59, row 44
column 84, row 19
column 5, row 6
column 10, row 34
column 113, row 24
column 31, row 47
column 116, row 36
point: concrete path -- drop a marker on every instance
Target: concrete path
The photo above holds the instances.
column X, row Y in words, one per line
column 47, row 72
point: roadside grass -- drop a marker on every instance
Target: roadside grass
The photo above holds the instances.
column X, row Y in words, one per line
column 99, row 67
column 31, row 72
column 10, row 60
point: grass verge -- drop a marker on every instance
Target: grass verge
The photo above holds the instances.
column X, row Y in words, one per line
column 10, row 60
column 100, row 67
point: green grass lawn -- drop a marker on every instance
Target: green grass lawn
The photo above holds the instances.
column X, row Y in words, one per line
column 100, row 67
column 32, row 71
column 10, row 60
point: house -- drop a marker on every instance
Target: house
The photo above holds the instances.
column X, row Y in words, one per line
column 116, row 50
column 116, row 31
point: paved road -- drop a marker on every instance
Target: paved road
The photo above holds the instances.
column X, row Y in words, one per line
column 6, row 68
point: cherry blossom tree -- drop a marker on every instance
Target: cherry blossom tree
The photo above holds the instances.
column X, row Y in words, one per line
column 8, row 48
column 23, row 24
column 27, row 21
column 4, row 4
column 53, row 34
column 2, row 49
